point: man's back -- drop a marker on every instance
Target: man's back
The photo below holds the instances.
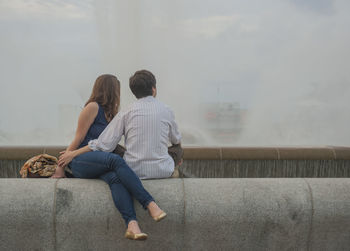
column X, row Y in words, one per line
column 149, row 127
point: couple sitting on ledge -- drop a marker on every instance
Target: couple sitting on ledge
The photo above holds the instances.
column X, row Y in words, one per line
column 147, row 126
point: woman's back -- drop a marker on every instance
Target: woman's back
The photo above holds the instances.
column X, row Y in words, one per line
column 96, row 127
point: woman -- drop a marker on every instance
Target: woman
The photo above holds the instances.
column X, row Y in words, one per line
column 99, row 110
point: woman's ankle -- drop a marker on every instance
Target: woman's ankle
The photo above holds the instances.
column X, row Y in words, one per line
column 151, row 204
column 133, row 226
column 154, row 209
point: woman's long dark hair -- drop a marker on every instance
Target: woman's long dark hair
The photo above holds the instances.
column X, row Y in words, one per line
column 106, row 92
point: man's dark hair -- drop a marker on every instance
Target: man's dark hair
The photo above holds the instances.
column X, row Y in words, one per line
column 141, row 83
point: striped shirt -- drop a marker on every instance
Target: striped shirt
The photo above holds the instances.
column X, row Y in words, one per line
column 148, row 127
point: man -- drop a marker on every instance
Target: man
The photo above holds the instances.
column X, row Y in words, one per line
column 148, row 126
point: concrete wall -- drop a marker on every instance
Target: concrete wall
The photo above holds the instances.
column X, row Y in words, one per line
column 209, row 153
column 265, row 169
column 203, row 214
column 229, row 162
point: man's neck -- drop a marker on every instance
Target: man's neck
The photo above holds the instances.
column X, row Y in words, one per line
column 150, row 96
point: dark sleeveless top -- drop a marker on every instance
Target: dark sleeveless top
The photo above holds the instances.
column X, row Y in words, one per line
column 96, row 128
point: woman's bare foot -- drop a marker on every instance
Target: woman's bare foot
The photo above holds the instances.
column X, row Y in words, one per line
column 59, row 173
column 133, row 227
column 156, row 213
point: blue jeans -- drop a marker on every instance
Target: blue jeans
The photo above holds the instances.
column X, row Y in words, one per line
column 123, row 182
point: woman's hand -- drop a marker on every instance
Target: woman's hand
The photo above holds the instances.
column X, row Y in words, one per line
column 59, row 173
column 65, row 158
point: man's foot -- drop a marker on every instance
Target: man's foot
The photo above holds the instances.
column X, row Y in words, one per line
column 156, row 213
column 176, row 173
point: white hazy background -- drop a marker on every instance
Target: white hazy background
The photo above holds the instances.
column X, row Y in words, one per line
column 286, row 62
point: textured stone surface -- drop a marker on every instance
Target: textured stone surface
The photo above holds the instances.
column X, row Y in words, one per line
column 88, row 220
column 246, row 214
column 203, row 214
column 85, row 214
column 331, row 214
column 26, row 214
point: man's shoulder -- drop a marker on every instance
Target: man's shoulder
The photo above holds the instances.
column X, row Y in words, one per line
column 123, row 112
column 163, row 105
column 137, row 106
column 129, row 108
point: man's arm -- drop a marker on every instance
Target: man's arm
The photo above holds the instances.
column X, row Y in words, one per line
column 111, row 135
column 174, row 134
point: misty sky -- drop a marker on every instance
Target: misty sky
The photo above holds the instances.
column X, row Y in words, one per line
column 285, row 61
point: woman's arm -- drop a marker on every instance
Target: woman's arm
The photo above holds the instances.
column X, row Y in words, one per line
column 86, row 118
column 67, row 156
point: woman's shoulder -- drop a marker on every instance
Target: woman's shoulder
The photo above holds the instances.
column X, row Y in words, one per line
column 92, row 107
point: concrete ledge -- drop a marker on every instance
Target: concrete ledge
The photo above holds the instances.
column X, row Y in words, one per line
column 26, row 152
column 226, row 162
column 311, row 153
column 206, row 153
column 249, row 153
column 342, row 153
column 211, row 153
column 203, row 214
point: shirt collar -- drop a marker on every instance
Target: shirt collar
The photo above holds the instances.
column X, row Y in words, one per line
column 147, row 99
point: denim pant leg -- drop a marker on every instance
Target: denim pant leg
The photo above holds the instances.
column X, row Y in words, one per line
column 130, row 180
column 122, row 180
column 89, row 165
column 121, row 196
